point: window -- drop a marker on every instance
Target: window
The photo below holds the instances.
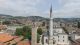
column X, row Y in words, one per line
column 58, row 36
column 63, row 36
column 53, row 41
column 63, row 40
column 46, row 41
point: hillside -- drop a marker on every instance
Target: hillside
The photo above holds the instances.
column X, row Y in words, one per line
column 36, row 18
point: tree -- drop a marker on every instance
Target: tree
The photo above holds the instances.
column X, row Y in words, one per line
column 43, row 24
column 38, row 38
column 18, row 31
column 39, row 31
column 25, row 32
column 7, row 22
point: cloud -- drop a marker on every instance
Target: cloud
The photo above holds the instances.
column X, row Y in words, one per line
column 70, row 8
column 18, row 7
column 63, row 8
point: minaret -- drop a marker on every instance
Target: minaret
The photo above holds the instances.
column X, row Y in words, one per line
column 51, row 28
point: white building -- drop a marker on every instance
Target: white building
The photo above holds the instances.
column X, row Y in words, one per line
column 55, row 35
column 59, row 37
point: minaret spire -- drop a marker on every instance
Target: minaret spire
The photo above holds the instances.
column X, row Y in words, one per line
column 51, row 11
column 51, row 22
column 51, row 28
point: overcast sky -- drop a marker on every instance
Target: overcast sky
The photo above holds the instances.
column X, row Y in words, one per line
column 61, row 8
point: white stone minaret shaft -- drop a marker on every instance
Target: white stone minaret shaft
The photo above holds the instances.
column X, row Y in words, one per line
column 51, row 23
column 51, row 28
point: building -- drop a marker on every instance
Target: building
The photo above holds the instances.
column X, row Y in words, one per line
column 55, row 35
column 7, row 39
column 59, row 37
column 34, row 34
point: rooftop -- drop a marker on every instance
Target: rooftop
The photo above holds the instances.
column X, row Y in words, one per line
column 4, row 37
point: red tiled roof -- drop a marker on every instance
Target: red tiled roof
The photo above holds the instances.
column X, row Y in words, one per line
column 5, row 37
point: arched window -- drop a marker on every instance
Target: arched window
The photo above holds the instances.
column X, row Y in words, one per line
column 54, row 41
column 46, row 40
column 58, row 36
column 63, row 36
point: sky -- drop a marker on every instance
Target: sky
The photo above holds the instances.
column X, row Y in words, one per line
column 61, row 8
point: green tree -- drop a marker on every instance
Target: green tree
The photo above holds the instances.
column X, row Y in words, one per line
column 18, row 31
column 39, row 31
column 7, row 22
column 38, row 38
column 25, row 32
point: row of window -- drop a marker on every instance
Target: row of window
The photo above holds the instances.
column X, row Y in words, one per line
column 58, row 39
column 58, row 36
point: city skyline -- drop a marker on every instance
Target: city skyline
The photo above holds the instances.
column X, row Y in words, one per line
column 61, row 8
